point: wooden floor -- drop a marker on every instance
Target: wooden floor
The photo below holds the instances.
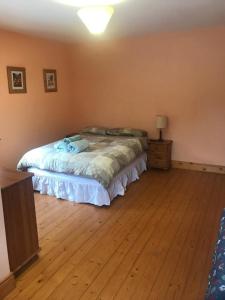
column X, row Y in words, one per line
column 154, row 243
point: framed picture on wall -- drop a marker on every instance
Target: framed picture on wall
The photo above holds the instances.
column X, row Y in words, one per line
column 16, row 80
column 50, row 80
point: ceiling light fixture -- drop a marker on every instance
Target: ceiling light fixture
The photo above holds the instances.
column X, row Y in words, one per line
column 95, row 14
column 84, row 3
column 96, row 18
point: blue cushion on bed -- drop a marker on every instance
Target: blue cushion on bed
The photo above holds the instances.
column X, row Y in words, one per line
column 216, row 285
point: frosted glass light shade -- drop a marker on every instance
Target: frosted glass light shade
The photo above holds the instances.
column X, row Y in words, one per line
column 161, row 122
column 83, row 3
column 96, row 18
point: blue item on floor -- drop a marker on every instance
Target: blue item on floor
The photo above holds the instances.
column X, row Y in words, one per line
column 216, row 284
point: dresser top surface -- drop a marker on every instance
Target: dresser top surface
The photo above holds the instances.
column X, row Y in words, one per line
column 10, row 177
column 162, row 142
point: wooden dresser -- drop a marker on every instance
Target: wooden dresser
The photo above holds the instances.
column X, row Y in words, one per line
column 19, row 217
column 159, row 154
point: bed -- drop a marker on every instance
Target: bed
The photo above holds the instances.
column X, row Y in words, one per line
column 96, row 175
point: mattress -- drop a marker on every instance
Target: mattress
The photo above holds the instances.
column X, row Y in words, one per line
column 85, row 190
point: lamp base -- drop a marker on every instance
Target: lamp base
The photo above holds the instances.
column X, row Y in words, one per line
column 160, row 135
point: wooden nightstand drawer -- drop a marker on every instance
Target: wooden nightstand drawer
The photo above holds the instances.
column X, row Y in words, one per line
column 160, row 164
column 159, row 154
column 156, row 148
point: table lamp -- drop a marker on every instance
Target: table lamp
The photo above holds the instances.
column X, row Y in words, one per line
column 161, row 123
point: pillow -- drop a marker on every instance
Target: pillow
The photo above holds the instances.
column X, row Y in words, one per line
column 127, row 132
column 95, row 130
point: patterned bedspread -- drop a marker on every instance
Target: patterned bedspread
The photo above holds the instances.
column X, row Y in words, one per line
column 103, row 159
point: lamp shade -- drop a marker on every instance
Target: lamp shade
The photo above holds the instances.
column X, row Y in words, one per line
column 96, row 18
column 161, row 121
column 85, row 3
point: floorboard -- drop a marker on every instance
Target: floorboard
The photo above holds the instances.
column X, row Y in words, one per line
column 154, row 243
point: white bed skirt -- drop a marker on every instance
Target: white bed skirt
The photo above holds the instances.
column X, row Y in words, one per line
column 84, row 190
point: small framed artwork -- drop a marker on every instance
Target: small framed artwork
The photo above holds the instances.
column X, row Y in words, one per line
column 50, row 80
column 16, row 80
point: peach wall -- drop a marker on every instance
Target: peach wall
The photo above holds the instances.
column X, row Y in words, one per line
column 32, row 119
column 118, row 83
column 182, row 75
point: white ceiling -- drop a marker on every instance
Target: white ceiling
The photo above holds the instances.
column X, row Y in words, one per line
column 51, row 19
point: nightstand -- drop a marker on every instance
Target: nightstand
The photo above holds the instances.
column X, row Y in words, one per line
column 159, row 154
